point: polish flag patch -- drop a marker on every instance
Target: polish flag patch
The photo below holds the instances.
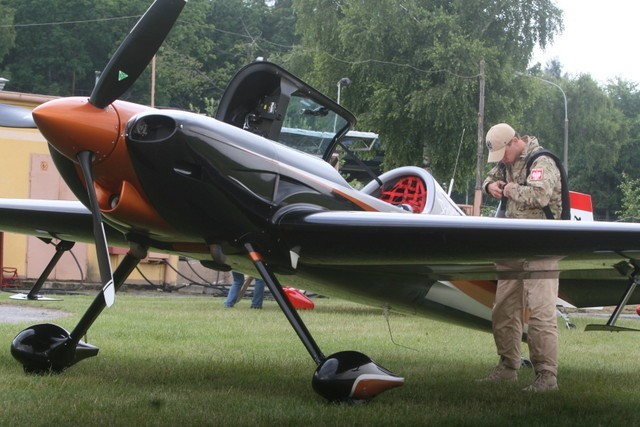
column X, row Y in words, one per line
column 536, row 175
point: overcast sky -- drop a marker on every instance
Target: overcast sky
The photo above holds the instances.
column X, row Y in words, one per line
column 600, row 38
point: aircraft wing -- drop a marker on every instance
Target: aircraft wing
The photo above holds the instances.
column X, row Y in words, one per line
column 60, row 219
column 462, row 248
column 374, row 237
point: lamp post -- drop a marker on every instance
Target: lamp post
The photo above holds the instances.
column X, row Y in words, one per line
column 565, row 154
column 343, row 82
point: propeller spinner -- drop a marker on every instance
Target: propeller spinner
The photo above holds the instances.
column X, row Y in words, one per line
column 86, row 132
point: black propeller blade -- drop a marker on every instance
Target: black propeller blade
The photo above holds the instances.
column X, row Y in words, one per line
column 104, row 264
column 13, row 116
column 136, row 51
column 126, row 65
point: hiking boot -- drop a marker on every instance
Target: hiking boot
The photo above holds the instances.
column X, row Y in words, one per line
column 500, row 373
column 545, row 381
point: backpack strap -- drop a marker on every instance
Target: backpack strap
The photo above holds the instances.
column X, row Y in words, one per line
column 566, row 207
column 501, row 212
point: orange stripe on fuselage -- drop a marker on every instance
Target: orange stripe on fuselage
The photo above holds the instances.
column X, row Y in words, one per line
column 355, row 201
column 364, row 206
column 483, row 291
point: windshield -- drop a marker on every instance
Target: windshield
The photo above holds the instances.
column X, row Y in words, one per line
column 309, row 126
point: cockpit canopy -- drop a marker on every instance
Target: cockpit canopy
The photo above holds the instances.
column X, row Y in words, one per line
column 269, row 101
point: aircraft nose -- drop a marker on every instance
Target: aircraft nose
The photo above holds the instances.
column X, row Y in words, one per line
column 72, row 125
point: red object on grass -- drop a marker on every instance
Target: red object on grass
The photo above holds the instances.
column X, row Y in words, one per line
column 298, row 299
column 638, row 310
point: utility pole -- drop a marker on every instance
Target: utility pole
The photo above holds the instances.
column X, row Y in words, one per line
column 1, row 258
column 477, row 199
column 153, row 81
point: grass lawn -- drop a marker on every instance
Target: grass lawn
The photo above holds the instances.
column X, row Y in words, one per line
column 186, row 360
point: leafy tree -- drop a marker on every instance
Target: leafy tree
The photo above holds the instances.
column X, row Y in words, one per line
column 597, row 132
column 544, row 113
column 625, row 96
column 183, row 61
column 630, row 188
column 7, row 31
column 279, row 26
column 415, row 64
column 213, row 40
column 58, row 47
column 554, row 68
column 604, row 124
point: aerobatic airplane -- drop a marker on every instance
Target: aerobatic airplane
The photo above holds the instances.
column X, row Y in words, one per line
column 228, row 192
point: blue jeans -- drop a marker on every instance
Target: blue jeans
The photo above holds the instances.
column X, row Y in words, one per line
column 238, row 280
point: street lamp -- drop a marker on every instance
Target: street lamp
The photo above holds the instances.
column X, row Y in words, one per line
column 3, row 82
column 565, row 153
column 343, row 82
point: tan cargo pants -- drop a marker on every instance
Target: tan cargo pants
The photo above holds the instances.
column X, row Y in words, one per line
column 534, row 298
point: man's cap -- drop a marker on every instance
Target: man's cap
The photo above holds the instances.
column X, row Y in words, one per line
column 497, row 139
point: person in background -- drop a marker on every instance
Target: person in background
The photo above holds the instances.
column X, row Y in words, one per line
column 234, row 290
column 528, row 194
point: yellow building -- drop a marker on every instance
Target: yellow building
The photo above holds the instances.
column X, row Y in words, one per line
column 26, row 171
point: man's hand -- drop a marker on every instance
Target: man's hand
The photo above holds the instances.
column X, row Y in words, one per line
column 510, row 190
column 495, row 189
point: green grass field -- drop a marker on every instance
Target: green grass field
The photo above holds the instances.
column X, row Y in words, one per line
column 182, row 361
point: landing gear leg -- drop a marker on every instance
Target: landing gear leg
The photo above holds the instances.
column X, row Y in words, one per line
column 634, row 279
column 562, row 312
column 346, row 376
column 50, row 348
column 61, row 247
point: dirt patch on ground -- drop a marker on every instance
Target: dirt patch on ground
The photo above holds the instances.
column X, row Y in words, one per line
column 20, row 313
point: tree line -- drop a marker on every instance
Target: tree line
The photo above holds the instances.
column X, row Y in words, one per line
column 413, row 64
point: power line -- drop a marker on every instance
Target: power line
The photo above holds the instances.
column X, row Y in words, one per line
column 397, row 64
column 256, row 41
column 42, row 24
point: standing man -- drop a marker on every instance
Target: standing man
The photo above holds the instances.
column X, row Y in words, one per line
column 234, row 290
column 529, row 193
